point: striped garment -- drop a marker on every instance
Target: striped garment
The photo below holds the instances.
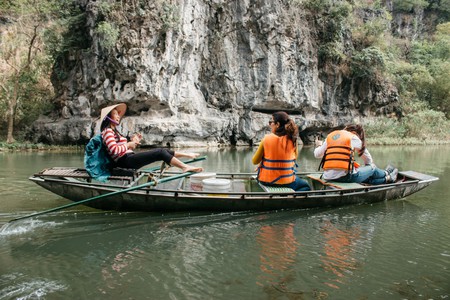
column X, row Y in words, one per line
column 115, row 143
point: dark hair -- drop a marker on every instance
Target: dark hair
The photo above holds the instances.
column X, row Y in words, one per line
column 105, row 122
column 287, row 126
column 359, row 130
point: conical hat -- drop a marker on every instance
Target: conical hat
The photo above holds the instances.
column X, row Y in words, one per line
column 121, row 109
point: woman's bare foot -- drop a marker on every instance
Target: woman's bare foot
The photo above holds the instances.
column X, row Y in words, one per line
column 192, row 169
column 192, row 155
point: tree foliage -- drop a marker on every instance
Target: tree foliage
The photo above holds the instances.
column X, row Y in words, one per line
column 368, row 63
column 429, row 70
column 331, row 20
column 371, row 32
column 418, row 66
column 409, row 5
column 24, row 65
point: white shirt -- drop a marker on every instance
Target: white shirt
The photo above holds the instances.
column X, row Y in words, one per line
column 356, row 144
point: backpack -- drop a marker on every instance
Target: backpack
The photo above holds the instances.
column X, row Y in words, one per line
column 97, row 161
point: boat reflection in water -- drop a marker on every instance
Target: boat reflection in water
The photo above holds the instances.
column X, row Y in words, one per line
column 279, row 249
column 339, row 245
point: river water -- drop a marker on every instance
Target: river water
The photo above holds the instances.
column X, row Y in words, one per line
column 392, row 250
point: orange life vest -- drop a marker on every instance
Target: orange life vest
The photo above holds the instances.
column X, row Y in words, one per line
column 278, row 162
column 339, row 153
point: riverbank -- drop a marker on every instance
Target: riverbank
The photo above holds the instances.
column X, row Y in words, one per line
column 24, row 146
column 379, row 141
column 405, row 142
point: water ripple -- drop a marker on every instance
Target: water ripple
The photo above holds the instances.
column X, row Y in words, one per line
column 15, row 286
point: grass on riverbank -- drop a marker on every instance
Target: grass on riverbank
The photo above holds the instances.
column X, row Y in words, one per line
column 425, row 127
column 26, row 146
column 381, row 141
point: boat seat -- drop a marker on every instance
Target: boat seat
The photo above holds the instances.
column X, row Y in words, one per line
column 121, row 174
column 276, row 189
column 317, row 181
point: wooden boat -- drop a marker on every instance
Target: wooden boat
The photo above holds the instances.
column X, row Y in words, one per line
column 181, row 193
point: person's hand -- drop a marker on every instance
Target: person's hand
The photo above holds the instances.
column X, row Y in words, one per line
column 318, row 142
column 132, row 145
column 137, row 137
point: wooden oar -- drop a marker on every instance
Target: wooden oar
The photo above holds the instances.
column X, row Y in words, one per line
column 151, row 183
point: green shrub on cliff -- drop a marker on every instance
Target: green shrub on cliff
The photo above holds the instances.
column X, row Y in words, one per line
column 368, row 62
column 422, row 73
column 409, row 5
column 410, row 79
column 371, row 32
column 108, row 34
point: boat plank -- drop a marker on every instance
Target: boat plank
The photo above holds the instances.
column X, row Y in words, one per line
column 417, row 175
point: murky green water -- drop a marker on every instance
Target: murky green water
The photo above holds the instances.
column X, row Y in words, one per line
column 392, row 250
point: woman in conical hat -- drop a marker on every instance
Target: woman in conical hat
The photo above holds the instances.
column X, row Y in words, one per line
column 121, row 150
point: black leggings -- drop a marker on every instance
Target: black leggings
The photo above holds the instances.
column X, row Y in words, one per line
column 140, row 159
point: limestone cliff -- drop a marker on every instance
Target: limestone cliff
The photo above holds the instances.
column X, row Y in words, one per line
column 206, row 73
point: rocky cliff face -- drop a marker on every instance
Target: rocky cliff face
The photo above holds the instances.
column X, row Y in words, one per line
column 206, row 73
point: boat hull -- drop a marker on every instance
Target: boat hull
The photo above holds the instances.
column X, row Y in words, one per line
column 181, row 200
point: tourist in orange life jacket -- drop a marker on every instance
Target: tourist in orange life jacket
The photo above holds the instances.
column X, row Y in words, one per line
column 277, row 154
column 338, row 161
column 121, row 150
